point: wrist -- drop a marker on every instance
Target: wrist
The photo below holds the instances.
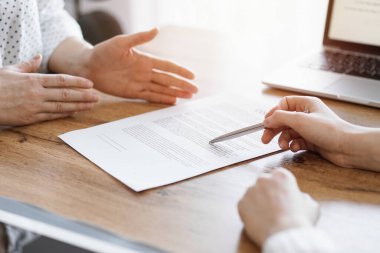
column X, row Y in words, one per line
column 72, row 56
column 350, row 154
column 83, row 67
column 361, row 148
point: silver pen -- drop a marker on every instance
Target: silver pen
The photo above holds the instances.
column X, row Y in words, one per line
column 238, row 133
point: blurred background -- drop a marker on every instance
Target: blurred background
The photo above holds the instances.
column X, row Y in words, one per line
column 240, row 17
column 254, row 36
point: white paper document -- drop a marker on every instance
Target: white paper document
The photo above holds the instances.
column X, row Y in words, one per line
column 170, row 145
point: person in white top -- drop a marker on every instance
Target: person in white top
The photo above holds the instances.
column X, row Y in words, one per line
column 277, row 215
column 40, row 36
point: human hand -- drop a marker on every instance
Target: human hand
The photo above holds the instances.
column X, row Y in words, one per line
column 306, row 123
column 27, row 97
column 274, row 204
column 117, row 68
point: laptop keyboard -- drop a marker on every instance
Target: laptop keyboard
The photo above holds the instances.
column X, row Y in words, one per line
column 345, row 63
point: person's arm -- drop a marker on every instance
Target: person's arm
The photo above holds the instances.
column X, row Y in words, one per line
column 306, row 123
column 365, row 148
column 56, row 25
column 117, row 68
column 280, row 218
column 114, row 66
column 28, row 97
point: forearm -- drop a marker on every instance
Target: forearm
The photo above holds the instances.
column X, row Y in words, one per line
column 363, row 148
column 71, row 57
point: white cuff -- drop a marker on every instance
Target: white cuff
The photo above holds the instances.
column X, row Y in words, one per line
column 299, row 240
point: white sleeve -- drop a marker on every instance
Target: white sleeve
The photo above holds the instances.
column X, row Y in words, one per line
column 56, row 25
column 299, row 240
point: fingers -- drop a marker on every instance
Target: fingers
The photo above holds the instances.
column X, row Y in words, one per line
column 269, row 134
column 169, row 91
column 291, row 112
column 297, row 104
column 276, row 174
column 286, row 137
column 283, row 178
column 302, row 144
column 283, row 174
column 71, row 95
column 298, row 144
column 289, row 139
column 171, row 67
column 64, row 81
column 170, row 80
column 30, row 66
column 277, row 107
column 140, row 38
column 157, row 98
column 51, row 116
column 285, row 119
column 65, row 108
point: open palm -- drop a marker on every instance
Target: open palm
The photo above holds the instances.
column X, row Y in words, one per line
column 117, row 68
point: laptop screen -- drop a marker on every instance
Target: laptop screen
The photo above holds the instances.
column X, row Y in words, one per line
column 354, row 25
column 356, row 21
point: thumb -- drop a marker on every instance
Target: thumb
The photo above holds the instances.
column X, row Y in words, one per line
column 30, row 66
column 140, row 38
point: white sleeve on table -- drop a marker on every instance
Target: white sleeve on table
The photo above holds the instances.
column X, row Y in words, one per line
column 299, row 240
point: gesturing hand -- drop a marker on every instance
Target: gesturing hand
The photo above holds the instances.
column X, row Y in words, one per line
column 275, row 204
column 27, row 97
column 117, row 68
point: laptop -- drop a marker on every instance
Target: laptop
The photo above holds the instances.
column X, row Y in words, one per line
column 348, row 66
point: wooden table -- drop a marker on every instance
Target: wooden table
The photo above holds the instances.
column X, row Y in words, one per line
column 196, row 215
